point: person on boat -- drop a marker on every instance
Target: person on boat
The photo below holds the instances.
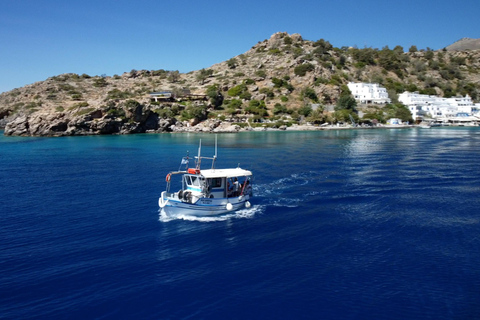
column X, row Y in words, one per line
column 247, row 188
column 236, row 187
column 229, row 189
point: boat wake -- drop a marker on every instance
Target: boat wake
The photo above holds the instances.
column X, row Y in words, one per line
column 284, row 192
column 239, row 214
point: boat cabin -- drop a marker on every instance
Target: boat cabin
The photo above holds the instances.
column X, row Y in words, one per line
column 213, row 183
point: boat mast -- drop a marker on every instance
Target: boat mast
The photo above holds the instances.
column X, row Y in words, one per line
column 215, row 156
column 199, row 159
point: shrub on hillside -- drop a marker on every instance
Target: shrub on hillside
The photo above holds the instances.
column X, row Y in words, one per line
column 237, row 90
column 302, row 69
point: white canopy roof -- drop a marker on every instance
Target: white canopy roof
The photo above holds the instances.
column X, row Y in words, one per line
column 228, row 173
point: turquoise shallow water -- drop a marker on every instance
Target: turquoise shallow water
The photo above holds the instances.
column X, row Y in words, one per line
column 357, row 224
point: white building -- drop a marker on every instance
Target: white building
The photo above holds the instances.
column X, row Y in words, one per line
column 369, row 92
column 425, row 106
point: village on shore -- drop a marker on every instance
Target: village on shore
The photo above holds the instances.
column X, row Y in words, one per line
column 426, row 110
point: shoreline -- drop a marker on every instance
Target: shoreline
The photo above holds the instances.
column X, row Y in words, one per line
column 237, row 129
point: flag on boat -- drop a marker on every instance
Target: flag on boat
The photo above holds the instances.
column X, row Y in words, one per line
column 184, row 161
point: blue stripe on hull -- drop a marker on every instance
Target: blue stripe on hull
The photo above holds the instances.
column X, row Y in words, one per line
column 176, row 207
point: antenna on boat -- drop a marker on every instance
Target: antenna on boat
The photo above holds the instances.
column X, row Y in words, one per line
column 215, row 156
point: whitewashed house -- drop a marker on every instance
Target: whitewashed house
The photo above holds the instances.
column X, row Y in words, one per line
column 369, row 93
column 423, row 106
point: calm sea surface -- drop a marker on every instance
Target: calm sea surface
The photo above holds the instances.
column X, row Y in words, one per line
column 364, row 224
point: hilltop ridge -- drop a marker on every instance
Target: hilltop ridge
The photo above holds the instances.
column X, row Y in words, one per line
column 464, row 44
column 276, row 78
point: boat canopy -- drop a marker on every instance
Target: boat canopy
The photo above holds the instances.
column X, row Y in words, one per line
column 228, row 173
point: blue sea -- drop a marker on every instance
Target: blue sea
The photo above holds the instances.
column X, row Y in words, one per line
column 346, row 224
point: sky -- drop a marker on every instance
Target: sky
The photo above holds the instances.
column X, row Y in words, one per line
column 43, row 38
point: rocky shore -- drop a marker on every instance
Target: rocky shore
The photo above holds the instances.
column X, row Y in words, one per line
column 87, row 125
column 138, row 120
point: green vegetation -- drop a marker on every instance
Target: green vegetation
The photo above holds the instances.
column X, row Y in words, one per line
column 240, row 91
column 81, row 105
column 309, row 93
column 282, row 83
column 305, row 110
column 116, row 94
column 195, row 112
column 85, row 111
column 281, row 109
column 116, row 112
column 215, row 96
column 100, row 82
column 261, row 73
column 302, row 69
column 203, row 75
column 232, row 63
column 257, row 107
column 398, row 111
column 267, row 92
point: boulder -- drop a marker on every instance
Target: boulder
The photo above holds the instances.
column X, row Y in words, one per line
column 17, row 127
column 165, row 124
column 106, row 126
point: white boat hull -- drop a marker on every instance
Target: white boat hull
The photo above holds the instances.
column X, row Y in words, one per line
column 204, row 206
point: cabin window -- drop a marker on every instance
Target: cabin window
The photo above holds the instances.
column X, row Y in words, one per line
column 216, row 182
column 196, row 181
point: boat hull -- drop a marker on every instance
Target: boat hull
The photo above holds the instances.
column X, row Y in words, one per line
column 204, row 206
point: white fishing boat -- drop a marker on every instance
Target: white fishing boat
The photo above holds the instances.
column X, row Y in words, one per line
column 424, row 125
column 206, row 192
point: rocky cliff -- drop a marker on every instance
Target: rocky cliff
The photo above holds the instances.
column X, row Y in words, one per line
column 276, row 78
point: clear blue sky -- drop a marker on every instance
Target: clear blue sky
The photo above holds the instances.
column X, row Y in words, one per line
column 43, row 38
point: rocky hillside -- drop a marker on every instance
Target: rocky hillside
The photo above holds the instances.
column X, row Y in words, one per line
column 279, row 78
column 464, row 44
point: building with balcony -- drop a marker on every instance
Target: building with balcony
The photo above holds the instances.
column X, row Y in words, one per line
column 423, row 106
column 369, row 93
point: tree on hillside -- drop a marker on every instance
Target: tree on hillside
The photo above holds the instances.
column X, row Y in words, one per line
column 309, row 93
column 232, row 63
column 237, row 90
column 364, row 56
column 203, row 75
column 398, row 50
column 388, row 59
column 280, row 109
column 302, row 69
column 403, row 113
column 100, row 82
column 346, row 101
column 305, row 110
column 258, row 108
column 173, row 76
column 317, row 116
column 399, row 111
column 344, row 115
column 215, row 96
column 321, row 47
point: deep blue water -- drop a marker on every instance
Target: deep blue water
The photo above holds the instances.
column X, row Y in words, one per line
column 366, row 224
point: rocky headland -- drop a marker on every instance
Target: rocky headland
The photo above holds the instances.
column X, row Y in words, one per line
column 285, row 79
